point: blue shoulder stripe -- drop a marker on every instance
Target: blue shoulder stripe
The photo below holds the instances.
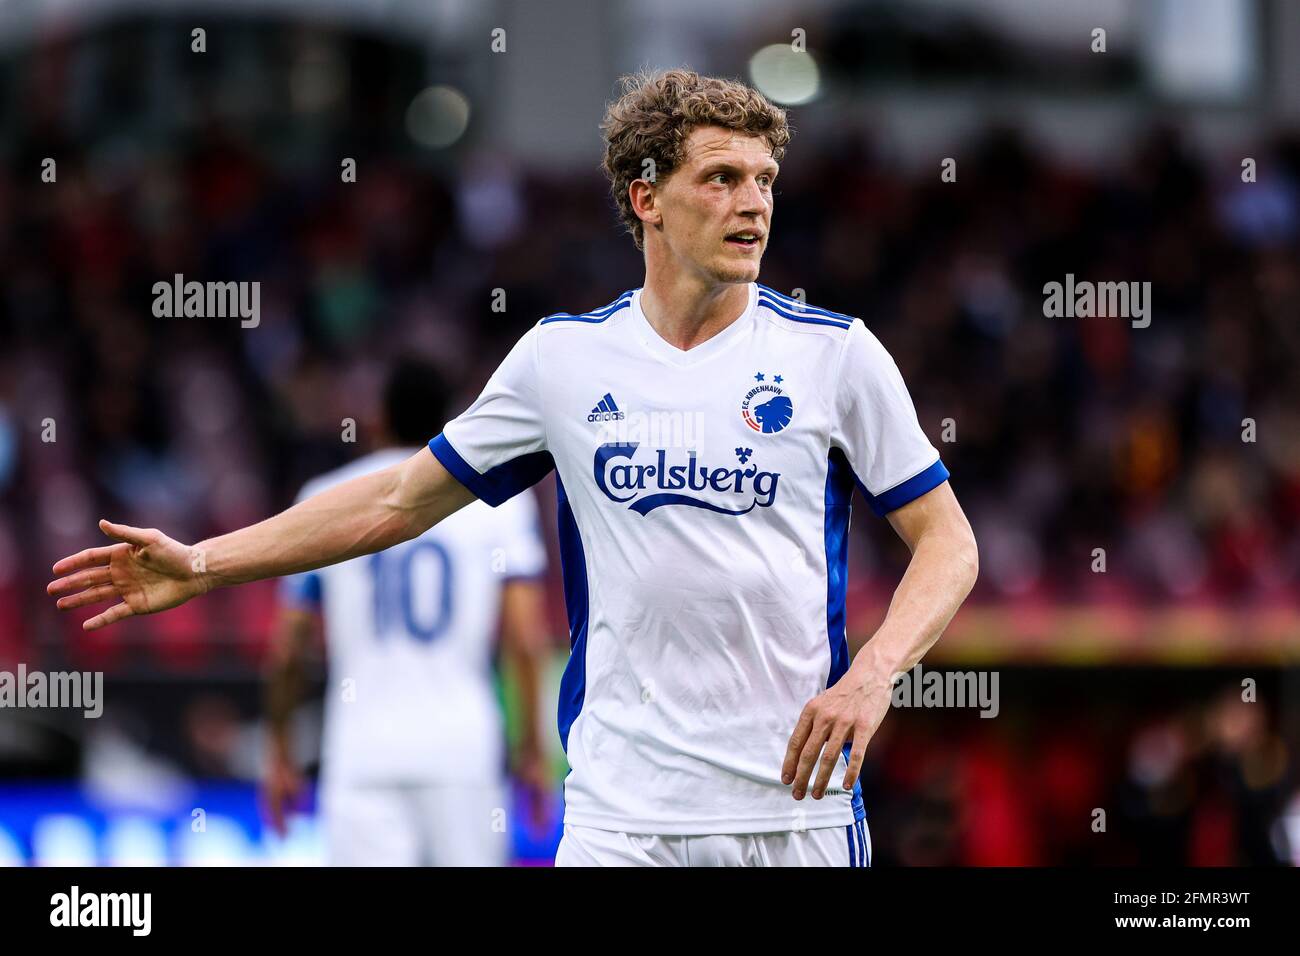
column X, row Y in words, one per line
column 600, row 315
column 806, row 319
column 792, row 303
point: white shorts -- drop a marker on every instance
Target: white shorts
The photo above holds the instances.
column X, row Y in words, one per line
column 415, row 826
column 824, row 846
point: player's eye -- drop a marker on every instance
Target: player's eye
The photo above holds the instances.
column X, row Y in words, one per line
column 720, row 178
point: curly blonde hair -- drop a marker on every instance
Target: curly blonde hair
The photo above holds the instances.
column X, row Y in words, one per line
column 657, row 112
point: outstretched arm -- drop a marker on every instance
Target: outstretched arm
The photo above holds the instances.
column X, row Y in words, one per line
column 150, row 572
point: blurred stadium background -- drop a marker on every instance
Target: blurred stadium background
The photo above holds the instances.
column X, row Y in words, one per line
column 479, row 170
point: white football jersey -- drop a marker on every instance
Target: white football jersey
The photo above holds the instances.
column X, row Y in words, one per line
column 703, row 519
column 409, row 639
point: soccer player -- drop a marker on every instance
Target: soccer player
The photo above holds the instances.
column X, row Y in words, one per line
column 412, row 756
column 707, row 434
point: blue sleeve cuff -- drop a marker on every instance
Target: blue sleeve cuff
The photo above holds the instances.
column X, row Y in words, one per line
column 499, row 484
column 908, row 490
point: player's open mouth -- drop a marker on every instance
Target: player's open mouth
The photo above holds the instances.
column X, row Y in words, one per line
column 746, row 240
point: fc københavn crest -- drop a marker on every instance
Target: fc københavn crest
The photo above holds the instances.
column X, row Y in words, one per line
column 766, row 408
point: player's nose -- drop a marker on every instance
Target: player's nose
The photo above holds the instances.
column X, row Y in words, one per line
column 750, row 199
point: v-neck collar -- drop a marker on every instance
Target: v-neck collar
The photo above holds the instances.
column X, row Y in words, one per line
column 663, row 350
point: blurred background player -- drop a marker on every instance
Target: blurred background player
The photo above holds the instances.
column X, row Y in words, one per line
column 413, row 756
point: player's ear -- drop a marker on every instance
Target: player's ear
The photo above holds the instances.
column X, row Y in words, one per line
column 641, row 193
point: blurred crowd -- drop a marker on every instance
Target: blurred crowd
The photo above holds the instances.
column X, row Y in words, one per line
column 1162, row 774
column 1174, row 448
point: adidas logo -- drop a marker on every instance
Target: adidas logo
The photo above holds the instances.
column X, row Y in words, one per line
column 606, row 410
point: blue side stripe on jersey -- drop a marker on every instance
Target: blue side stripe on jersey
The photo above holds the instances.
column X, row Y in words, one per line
column 599, row 315
column 499, row 484
column 573, row 564
column 839, row 494
column 808, row 320
column 793, row 303
column 839, row 497
column 899, row 495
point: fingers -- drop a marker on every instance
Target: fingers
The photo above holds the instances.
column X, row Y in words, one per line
column 802, row 728
column 82, row 579
column 141, row 537
column 114, row 614
column 856, row 756
column 808, row 758
column 825, row 727
column 104, row 592
column 831, row 754
column 90, row 558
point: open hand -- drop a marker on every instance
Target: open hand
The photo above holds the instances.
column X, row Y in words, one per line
column 146, row 572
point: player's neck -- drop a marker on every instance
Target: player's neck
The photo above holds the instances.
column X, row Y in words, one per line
column 687, row 311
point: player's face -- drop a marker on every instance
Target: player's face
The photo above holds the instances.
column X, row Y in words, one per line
column 717, row 206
